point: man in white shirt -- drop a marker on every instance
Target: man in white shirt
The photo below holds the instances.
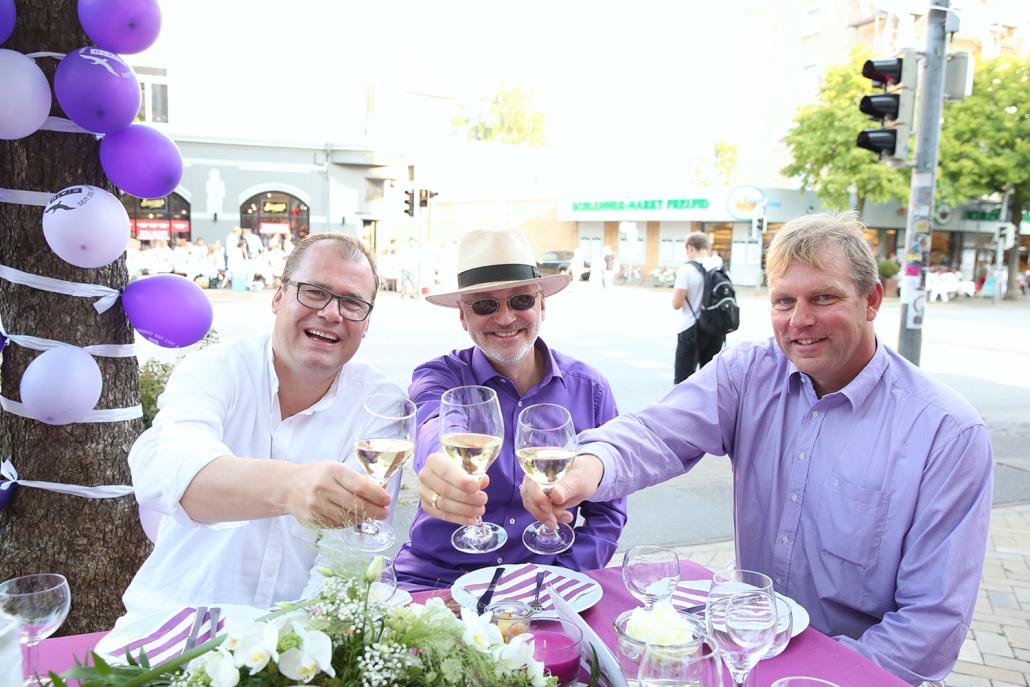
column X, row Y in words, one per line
column 245, row 455
column 694, row 348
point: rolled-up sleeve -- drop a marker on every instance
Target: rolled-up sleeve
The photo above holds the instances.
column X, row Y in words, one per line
column 946, row 544
column 187, row 434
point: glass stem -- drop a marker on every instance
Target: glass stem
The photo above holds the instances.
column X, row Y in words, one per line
column 31, row 659
column 545, row 531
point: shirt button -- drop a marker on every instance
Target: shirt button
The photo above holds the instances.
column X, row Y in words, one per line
column 794, row 498
column 815, row 413
column 512, row 521
column 802, row 455
column 500, row 560
column 836, row 483
column 779, row 581
column 784, row 540
column 520, row 404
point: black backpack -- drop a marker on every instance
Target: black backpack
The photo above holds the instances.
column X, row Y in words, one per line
column 719, row 313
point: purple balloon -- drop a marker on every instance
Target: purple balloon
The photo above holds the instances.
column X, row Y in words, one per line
column 3, row 341
column 8, row 15
column 141, row 161
column 61, row 385
column 6, row 494
column 125, row 26
column 97, row 90
column 168, row 310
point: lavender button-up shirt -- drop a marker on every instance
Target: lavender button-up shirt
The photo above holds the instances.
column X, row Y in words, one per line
column 869, row 506
column 429, row 560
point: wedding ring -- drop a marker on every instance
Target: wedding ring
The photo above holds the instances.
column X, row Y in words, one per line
column 436, row 497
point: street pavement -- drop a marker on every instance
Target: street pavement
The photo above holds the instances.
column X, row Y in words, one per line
column 980, row 349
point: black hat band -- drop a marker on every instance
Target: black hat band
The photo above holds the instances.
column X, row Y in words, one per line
column 496, row 273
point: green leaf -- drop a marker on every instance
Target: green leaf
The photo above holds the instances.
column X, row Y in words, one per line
column 595, row 667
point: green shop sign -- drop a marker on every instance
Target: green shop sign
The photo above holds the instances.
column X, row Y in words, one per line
column 988, row 215
column 668, row 204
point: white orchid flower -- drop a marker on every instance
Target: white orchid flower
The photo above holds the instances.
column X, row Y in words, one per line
column 221, row 669
column 257, row 647
column 314, row 655
column 516, row 654
column 479, row 631
column 374, row 569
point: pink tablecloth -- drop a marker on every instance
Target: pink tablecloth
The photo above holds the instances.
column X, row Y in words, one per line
column 811, row 653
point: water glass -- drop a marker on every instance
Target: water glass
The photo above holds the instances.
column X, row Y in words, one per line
column 383, row 588
column 784, row 628
column 650, row 573
column 742, row 627
column 801, row 681
column 40, row 603
column 733, row 581
column 664, row 667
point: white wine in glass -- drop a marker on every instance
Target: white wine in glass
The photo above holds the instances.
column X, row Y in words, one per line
column 388, row 444
column 545, row 444
column 471, row 434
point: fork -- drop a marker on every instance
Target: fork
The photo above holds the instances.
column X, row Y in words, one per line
column 215, row 613
column 198, row 619
column 535, row 603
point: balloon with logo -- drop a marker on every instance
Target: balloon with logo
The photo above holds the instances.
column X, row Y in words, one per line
column 61, row 385
column 8, row 15
column 24, row 95
column 86, row 226
column 168, row 310
column 97, row 90
column 141, row 161
column 122, row 26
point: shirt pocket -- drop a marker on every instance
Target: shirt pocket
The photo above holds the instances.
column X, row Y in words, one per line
column 852, row 522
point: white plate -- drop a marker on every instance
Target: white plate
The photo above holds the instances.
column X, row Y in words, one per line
column 700, row 588
column 586, row 590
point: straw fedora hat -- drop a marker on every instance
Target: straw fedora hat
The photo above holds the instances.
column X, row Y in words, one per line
column 490, row 259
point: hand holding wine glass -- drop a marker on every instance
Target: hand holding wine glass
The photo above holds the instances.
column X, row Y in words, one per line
column 471, row 434
column 388, row 443
column 40, row 603
column 545, row 444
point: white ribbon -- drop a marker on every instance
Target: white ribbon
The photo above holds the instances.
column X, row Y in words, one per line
column 109, row 491
column 37, row 55
column 65, row 125
column 40, row 344
column 105, row 294
column 105, row 415
column 16, row 197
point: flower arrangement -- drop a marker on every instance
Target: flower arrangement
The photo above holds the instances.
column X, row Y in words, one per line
column 342, row 638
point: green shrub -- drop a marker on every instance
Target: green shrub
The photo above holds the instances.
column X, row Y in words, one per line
column 888, row 268
column 154, row 374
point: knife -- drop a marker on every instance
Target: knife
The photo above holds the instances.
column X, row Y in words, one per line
column 489, row 593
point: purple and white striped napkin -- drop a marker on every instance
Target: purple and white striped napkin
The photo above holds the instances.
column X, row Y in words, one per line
column 691, row 593
column 165, row 642
column 518, row 583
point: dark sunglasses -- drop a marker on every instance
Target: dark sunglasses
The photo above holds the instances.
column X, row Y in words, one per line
column 488, row 306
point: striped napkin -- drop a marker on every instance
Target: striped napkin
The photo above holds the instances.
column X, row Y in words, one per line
column 691, row 593
column 518, row 583
column 165, row 642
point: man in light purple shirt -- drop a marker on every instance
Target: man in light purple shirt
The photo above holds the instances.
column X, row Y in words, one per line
column 861, row 486
column 501, row 304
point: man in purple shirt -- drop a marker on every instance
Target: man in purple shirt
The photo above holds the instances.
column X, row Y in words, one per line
column 500, row 303
column 861, row 486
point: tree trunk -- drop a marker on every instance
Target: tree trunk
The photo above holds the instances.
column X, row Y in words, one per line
column 860, row 207
column 1015, row 278
column 97, row 544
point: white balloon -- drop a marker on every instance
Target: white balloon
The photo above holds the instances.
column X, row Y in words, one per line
column 86, row 226
column 24, row 95
column 61, row 385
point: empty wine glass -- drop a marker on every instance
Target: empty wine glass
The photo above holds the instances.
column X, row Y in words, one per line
column 40, row 603
column 384, row 586
column 650, row 573
column 742, row 626
column 801, row 681
column 386, row 444
column 545, row 443
column 784, row 628
column 733, row 581
column 471, row 434
column 663, row 666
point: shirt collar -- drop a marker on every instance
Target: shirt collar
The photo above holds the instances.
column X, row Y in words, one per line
column 483, row 371
column 859, row 389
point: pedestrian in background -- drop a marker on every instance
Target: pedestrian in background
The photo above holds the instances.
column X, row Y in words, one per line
column 694, row 348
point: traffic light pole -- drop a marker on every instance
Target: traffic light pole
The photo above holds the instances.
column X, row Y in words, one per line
column 918, row 227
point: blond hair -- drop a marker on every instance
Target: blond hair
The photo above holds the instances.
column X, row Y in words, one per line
column 806, row 239
column 351, row 248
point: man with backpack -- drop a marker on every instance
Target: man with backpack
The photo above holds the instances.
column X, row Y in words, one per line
column 704, row 294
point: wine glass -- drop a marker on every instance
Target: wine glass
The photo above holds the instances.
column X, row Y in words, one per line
column 742, row 626
column 471, row 434
column 386, row 445
column 40, row 603
column 802, row 681
column 784, row 628
column 384, row 587
column 662, row 666
column 545, row 443
column 733, row 581
column 650, row 573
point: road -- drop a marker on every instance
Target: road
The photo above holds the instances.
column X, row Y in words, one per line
column 979, row 349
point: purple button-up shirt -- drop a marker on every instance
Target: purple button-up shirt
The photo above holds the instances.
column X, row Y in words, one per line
column 429, row 560
column 869, row 506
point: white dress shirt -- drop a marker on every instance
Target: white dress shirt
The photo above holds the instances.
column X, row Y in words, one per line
column 223, row 400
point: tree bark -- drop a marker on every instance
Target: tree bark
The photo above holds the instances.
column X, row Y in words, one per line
column 1016, row 215
column 97, row 544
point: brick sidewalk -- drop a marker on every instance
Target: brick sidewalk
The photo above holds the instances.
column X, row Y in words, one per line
column 997, row 651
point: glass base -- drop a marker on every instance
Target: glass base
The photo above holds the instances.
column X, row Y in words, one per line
column 541, row 539
column 370, row 536
column 481, row 538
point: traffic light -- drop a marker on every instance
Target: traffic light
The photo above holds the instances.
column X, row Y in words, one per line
column 894, row 108
column 424, row 195
column 757, row 227
column 409, row 203
column 1005, row 237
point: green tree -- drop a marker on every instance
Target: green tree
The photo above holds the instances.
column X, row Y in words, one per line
column 822, row 144
column 507, row 116
column 718, row 169
column 985, row 144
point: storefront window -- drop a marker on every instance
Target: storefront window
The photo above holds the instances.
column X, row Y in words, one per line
column 158, row 219
column 940, row 249
column 721, row 236
column 275, row 213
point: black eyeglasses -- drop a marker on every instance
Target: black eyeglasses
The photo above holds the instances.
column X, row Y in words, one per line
column 316, row 298
column 488, row 306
